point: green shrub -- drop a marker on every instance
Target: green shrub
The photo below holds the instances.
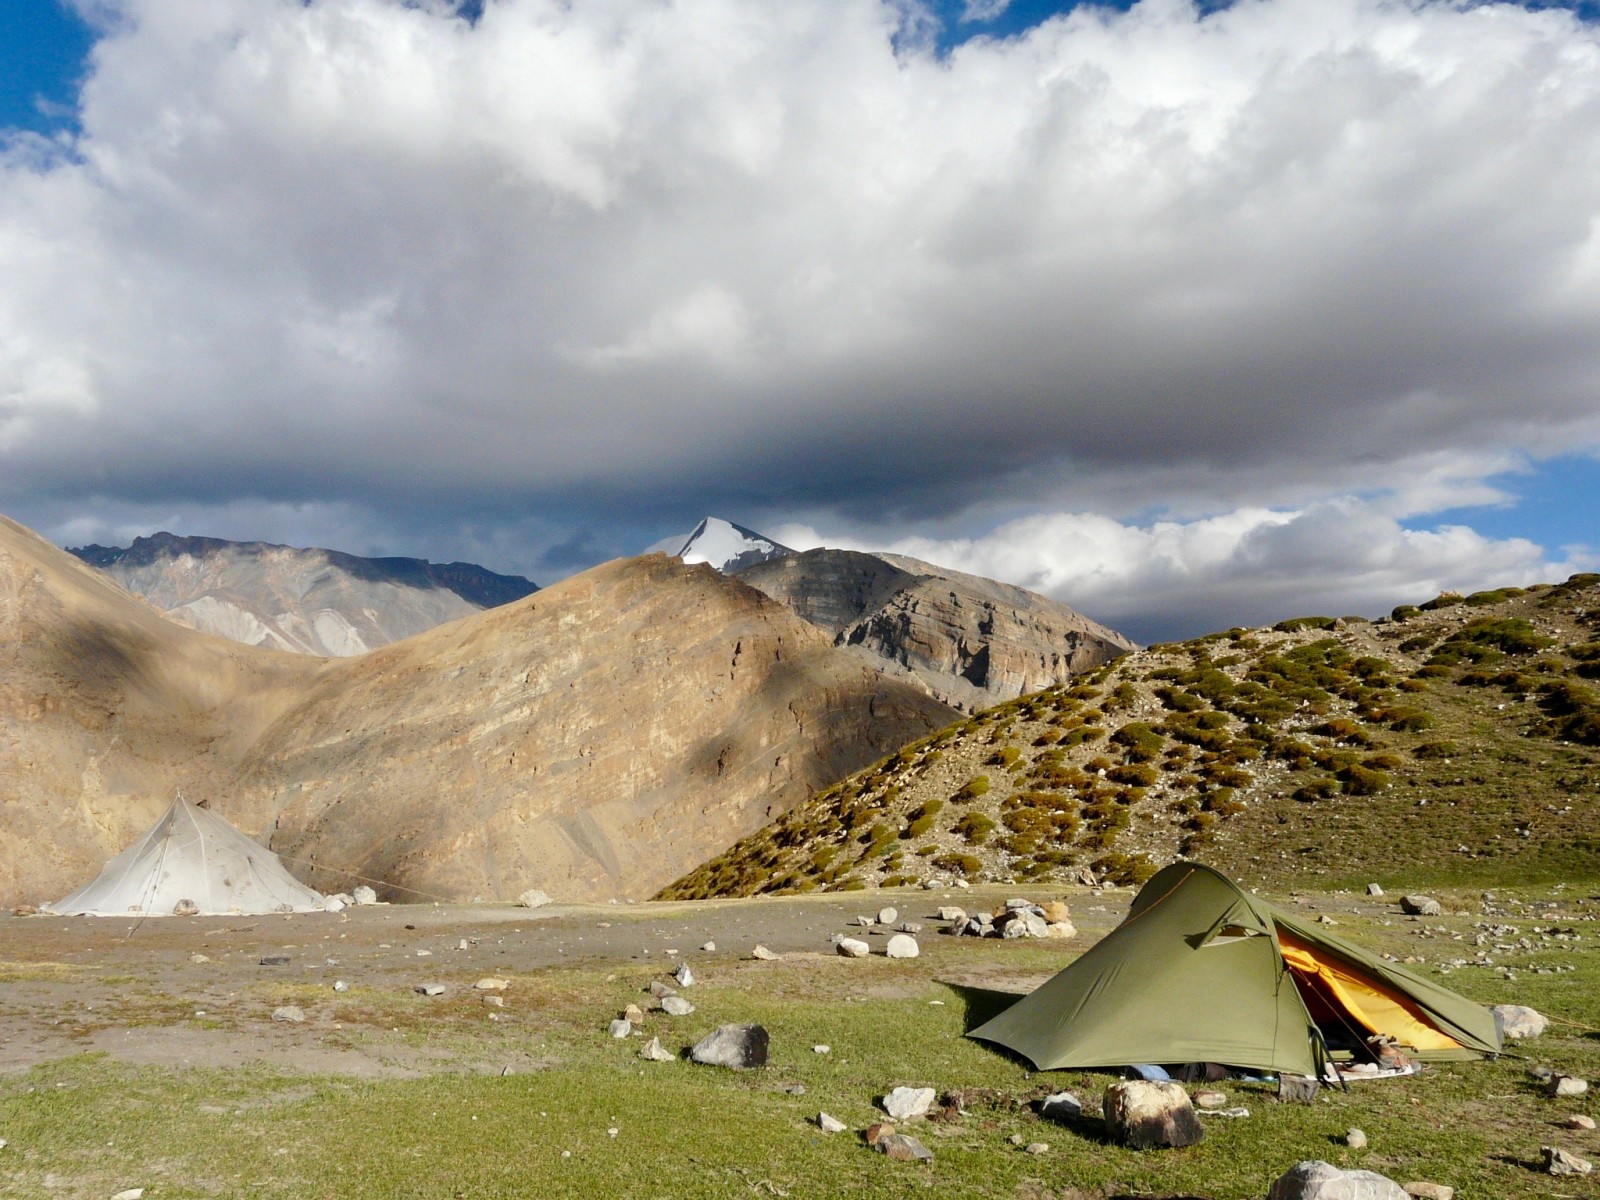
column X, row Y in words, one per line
column 1318, row 788
column 1437, row 750
column 1404, row 612
column 918, row 827
column 1296, row 624
column 1133, row 774
column 1005, row 756
column 1443, row 600
column 1408, row 720
column 1363, row 781
column 1131, row 870
column 975, row 827
column 1140, row 741
column 959, row 864
column 972, row 789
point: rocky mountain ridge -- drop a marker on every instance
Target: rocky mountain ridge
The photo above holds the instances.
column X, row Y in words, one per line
column 315, row 601
column 595, row 739
column 1455, row 740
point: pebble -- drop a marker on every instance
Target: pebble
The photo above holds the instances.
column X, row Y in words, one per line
column 130, row 1194
column 1579, row 1121
column 709, row 947
column 619, row 1028
column 822, row 1048
column 1036, row 1148
column 1566, row 1085
column 197, row 957
column 633, row 1014
column 1356, row 1139
column 1209, row 1098
column 494, row 1001
column 684, row 975
column 1560, row 1162
column 654, row 1051
column 289, row 1014
column 676, row 1006
column 888, row 916
column 851, row 948
column 1423, row 1190
column 492, row 985
column 908, row 1103
column 829, row 1124
column 431, row 989
column 763, row 954
column 340, row 985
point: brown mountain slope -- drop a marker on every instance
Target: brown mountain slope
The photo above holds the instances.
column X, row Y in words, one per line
column 106, row 707
column 969, row 641
column 1455, row 742
column 596, row 739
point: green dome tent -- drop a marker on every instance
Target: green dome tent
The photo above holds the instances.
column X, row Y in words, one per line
column 1201, row 971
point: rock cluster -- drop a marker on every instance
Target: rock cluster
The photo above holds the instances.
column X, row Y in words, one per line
column 1013, row 919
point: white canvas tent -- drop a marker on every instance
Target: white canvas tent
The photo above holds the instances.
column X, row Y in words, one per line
column 190, row 854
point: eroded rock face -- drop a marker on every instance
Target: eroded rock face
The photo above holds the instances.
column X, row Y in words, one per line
column 970, row 641
column 597, row 740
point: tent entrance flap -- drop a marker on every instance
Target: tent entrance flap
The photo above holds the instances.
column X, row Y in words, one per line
column 1369, row 1004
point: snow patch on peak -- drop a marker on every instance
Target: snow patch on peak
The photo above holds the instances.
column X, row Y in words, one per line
column 728, row 547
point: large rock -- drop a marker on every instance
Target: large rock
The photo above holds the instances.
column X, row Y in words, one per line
column 1316, row 1180
column 533, row 898
column 738, row 1047
column 1420, row 906
column 1561, row 1162
column 1146, row 1113
column 1518, row 1021
column 853, row 948
column 908, row 1103
column 902, row 945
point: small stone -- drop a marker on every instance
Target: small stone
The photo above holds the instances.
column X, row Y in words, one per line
column 851, row 948
column 795, row 1089
column 364, row 895
column 1036, row 1148
column 633, row 1014
column 1209, row 1098
column 274, row 960
column 902, row 945
column 1421, row 1189
column 185, row 908
column 289, row 1014
column 493, row 1000
column 1374, row 890
column 1055, row 911
column 709, row 947
column 1356, row 1139
column 684, row 975
column 1145, row 1113
column 902, row 1147
column 1297, row 1089
column 822, row 1048
column 130, row 1194
column 908, row 1103
column 491, row 984
column 24, row 910
column 676, row 1006
column 888, row 916
column 1061, row 929
column 1579, row 1121
column 909, row 927
column 762, row 954
column 620, row 1028
column 1420, row 906
column 340, row 985
column 654, row 1051
column 197, row 957
column 1519, row 1021
column 738, row 1047
column 1062, row 1106
column 431, row 989
column 1560, row 1162
column 1316, row 1180
column 1566, row 1085
column 659, row 989
column 829, row 1124
column 532, row 898
column 951, row 913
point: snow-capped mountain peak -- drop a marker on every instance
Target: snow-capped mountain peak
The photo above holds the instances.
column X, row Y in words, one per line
column 728, row 547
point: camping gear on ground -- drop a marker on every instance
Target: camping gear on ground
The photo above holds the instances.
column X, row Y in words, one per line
column 1202, row 971
column 194, row 859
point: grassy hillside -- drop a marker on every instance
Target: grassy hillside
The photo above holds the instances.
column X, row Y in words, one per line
column 1453, row 742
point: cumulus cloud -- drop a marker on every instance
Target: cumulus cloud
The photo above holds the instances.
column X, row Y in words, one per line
column 681, row 258
column 1170, row 579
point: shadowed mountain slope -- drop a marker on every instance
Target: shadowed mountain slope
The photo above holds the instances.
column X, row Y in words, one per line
column 596, row 740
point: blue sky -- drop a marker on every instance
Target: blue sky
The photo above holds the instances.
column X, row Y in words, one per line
column 1187, row 315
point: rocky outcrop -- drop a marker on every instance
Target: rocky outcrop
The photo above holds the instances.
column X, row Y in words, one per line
column 310, row 601
column 969, row 641
column 594, row 740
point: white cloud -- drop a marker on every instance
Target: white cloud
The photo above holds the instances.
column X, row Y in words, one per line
column 361, row 253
